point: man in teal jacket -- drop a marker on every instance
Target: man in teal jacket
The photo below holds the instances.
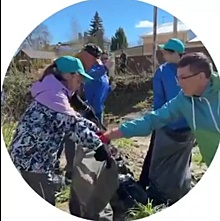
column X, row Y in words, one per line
column 198, row 102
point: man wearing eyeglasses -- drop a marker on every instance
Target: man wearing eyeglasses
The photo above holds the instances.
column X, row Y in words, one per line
column 198, row 102
column 166, row 167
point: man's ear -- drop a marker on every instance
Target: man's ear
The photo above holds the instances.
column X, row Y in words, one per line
column 202, row 76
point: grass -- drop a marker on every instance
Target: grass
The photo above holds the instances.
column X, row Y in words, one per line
column 124, row 143
column 142, row 211
column 62, row 199
column 63, row 196
column 141, row 105
column 197, row 158
column 7, row 132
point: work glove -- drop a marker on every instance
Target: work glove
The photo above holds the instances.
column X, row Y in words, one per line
column 102, row 154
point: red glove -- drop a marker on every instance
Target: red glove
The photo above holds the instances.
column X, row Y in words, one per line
column 103, row 138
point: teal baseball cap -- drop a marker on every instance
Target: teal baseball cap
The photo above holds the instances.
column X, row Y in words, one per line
column 174, row 44
column 70, row 64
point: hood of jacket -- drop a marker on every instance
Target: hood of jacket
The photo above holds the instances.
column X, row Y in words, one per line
column 51, row 93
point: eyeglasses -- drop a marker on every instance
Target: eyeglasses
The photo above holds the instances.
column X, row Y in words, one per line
column 186, row 77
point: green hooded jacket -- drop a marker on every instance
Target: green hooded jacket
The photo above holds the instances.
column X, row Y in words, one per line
column 202, row 114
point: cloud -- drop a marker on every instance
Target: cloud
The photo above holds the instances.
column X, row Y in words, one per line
column 144, row 24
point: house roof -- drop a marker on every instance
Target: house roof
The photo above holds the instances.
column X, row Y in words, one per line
column 168, row 28
column 68, row 49
column 196, row 39
column 39, row 54
column 132, row 51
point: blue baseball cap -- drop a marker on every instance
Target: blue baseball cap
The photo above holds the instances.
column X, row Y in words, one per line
column 70, row 64
column 174, row 44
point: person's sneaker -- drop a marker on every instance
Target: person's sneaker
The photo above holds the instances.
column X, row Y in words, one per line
column 68, row 178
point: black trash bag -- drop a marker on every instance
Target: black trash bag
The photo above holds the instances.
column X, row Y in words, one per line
column 130, row 192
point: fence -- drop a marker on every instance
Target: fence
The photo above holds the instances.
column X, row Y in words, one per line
column 143, row 63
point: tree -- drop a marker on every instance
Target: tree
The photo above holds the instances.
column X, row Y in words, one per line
column 96, row 24
column 119, row 41
column 98, row 39
column 96, row 32
column 39, row 38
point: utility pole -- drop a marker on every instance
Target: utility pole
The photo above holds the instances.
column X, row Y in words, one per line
column 175, row 24
column 155, row 39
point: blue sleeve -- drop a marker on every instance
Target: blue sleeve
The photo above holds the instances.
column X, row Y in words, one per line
column 159, row 96
column 95, row 95
column 90, row 88
column 143, row 126
column 89, row 92
column 97, row 102
column 97, row 71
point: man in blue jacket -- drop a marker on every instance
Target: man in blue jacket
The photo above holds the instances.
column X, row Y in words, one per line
column 97, row 91
column 172, row 144
column 169, row 169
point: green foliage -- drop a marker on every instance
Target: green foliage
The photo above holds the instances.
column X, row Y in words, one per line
column 7, row 132
column 119, row 41
column 95, row 25
column 63, row 196
column 96, row 32
column 142, row 211
column 37, row 64
column 124, row 143
column 17, row 95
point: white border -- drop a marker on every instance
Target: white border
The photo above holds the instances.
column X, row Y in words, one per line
column 19, row 18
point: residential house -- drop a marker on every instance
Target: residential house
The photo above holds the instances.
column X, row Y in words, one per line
column 26, row 59
column 32, row 55
column 164, row 33
column 68, row 48
column 74, row 46
column 195, row 42
column 131, row 51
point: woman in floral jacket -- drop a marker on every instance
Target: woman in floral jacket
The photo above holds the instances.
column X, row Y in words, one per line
column 45, row 123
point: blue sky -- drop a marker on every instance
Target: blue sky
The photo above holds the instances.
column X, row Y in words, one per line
column 135, row 17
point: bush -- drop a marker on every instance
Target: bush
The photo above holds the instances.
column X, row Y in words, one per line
column 17, row 95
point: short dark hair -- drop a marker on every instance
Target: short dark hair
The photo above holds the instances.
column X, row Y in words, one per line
column 105, row 53
column 172, row 51
column 93, row 49
column 198, row 62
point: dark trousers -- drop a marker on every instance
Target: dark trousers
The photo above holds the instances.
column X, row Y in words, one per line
column 41, row 184
column 144, row 176
column 69, row 147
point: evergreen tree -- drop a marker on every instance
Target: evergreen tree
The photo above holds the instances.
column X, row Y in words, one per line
column 119, row 41
column 96, row 32
column 96, row 24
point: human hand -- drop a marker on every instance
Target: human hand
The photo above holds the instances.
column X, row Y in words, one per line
column 102, row 154
column 109, row 64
